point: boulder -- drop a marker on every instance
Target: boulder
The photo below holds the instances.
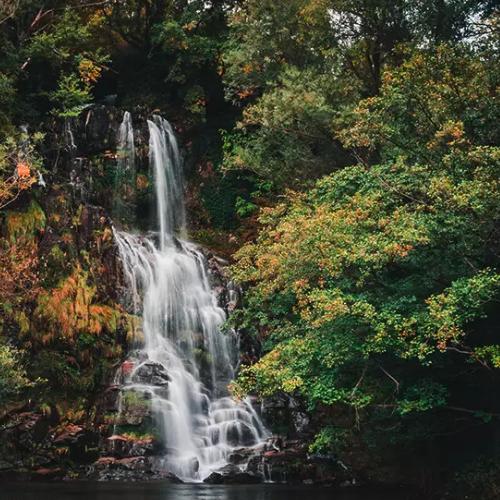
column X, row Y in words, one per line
column 125, row 447
column 141, row 464
column 231, row 474
column 82, row 443
column 240, row 456
column 49, row 474
column 111, row 399
column 151, row 374
column 128, row 469
column 135, row 408
column 138, row 355
column 240, row 433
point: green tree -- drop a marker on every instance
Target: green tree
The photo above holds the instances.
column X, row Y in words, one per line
column 13, row 378
column 376, row 287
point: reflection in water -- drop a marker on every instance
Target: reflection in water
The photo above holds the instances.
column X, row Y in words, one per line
column 142, row 491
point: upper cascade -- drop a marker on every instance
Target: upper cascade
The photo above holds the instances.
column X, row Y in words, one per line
column 166, row 167
column 126, row 174
column 183, row 362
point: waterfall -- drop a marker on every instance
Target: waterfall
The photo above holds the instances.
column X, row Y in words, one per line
column 76, row 176
column 183, row 362
column 165, row 163
column 126, row 176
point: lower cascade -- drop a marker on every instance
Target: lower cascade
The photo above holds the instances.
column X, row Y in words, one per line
column 183, row 362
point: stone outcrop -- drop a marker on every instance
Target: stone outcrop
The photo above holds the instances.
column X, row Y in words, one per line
column 138, row 468
column 39, row 446
column 127, row 447
column 151, row 374
column 232, row 474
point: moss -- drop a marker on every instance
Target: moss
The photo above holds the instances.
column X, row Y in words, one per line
column 132, row 399
column 22, row 321
column 56, row 257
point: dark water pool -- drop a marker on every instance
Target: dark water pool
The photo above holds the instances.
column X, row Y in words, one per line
column 134, row 491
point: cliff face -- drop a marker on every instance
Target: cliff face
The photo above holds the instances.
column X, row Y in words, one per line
column 71, row 326
column 63, row 311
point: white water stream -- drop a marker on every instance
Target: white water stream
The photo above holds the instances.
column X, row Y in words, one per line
column 185, row 361
column 126, row 176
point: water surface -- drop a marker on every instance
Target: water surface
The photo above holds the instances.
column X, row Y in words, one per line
column 136, row 491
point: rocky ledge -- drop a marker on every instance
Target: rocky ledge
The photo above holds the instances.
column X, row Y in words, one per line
column 232, row 474
column 36, row 444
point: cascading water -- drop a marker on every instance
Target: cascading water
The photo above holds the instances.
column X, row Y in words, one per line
column 183, row 362
column 126, row 176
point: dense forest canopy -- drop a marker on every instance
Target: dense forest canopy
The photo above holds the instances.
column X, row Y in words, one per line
column 349, row 150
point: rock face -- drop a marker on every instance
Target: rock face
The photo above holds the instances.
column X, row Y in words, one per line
column 286, row 412
column 82, row 444
column 232, row 474
column 41, row 448
column 135, row 409
column 151, row 374
column 126, row 447
column 128, row 469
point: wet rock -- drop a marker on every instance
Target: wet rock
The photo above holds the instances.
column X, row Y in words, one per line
column 286, row 466
column 104, row 462
column 96, row 129
column 288, row 413
column 128, row 469
column 151, row 374
column 24, row 430
column 231, row 474
column 294, row 465
column 240, row 433
column 141, row 464
column 92, row 218
column 111, row 400
column 50, row 238
column 5, row 465
column 240, row 456
column 227, row 293
column 138, row 356
column 124, row 447
column 194, row 464
column 301, row 422
column 49, row 474
column 167, row 477
column 82, row 443
column 135, row 409
column 43, row 459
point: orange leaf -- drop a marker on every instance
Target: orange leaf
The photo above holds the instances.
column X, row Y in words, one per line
column 23, row 170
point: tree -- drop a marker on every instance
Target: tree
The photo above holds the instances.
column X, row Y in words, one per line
column 13, row 378
column 374, row 289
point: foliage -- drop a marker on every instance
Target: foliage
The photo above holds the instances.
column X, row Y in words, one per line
column 69, row 331
column 365, row 134
column 372, row 288
column 19, row 165
column 71, row 310
column 286, row 135
column 19, row 262
column 13, row 377
column 292, row 66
